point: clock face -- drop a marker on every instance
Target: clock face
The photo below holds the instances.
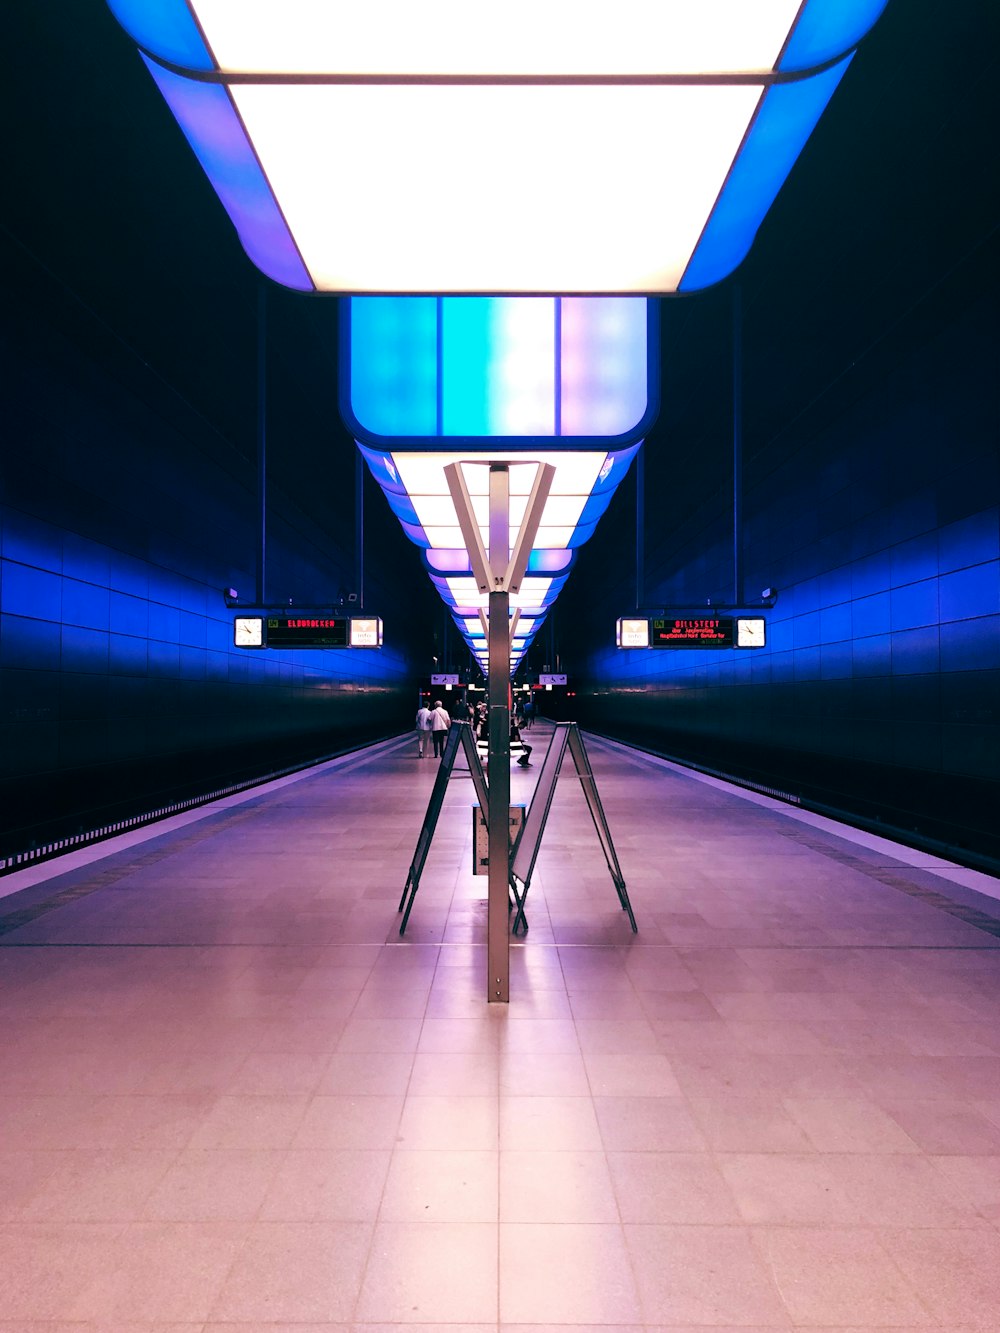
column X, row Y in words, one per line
column 750, row 633
column 248, row 632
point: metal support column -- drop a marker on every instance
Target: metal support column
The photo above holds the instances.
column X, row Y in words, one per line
column 737, row 445
column 261, row 444
column 498, row 759
column 359, row 528
column 498, row 573
column 640, row 529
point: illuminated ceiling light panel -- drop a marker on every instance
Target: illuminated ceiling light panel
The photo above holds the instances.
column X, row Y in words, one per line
column 431, row 381
column 394, row 147
column 417, row 491
column 457, row 562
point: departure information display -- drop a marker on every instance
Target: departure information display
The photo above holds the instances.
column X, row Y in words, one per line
column 692, row 632
column 308, row 631
column 306, row 628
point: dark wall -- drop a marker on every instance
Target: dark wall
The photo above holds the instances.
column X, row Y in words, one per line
column 130, row 337
column 879, row 689
column 870, row 419
column 123, row 515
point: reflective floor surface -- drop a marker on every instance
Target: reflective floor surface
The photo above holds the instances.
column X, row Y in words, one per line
column 233, row 1098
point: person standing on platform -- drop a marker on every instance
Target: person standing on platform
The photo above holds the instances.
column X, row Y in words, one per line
column 423, row 725
column 440, row 725
column 515, row 737
column 529, row 712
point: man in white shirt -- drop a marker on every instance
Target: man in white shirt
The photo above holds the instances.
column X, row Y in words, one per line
column 423, row 725
column 440, row 724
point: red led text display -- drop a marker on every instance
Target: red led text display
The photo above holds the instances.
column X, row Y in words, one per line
column 308, row 631
column 692, row 632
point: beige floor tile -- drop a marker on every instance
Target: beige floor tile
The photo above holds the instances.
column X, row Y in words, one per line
column 173, row 1268
column 470, row 1123
column 438, row 1185
column 366, row 1073
column 348, row 1122
column 424, row 1328
column 975, row 1179
column 900, row 1190
column 630, row 1074
column 213, row 1185
column 703, row 1275
column 839, row 1278
column 785, row 1189
column 202, row 1071
column 250, row 1122
column 46, row 1266
column 342, row 1185
column 299, row 1034
column 278, row 1074
column 846, row 1125
column 376, row 1035
column 98, row 1187
column 537, row 1036
column 671, row 1188
column 647, row 1124
column 295, row 1271
column 562, row 1123
column 940, row 1127
column 457, row 1036
column 22, row 1175
column 464, row 1075
column 613, row 1006
column 437, row 1272
column 955, row 1274
column 748, row 1124
column 566, row 1274
column 621, row 1036
column 543, row 1074
column 556, row 1186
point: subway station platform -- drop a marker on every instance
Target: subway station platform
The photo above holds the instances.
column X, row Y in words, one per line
column 233, row 1097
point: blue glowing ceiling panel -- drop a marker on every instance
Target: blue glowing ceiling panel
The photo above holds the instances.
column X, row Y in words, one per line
column 508, row 369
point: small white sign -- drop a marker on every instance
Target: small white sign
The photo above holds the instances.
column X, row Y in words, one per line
column 366, row 633
column 633, row 633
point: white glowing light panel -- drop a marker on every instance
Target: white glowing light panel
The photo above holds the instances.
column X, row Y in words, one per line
column 535, row 146
column 415, row 485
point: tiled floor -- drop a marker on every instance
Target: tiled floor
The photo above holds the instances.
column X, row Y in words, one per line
column 233, row 1098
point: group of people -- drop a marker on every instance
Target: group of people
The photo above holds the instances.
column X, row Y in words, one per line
column 436, row 723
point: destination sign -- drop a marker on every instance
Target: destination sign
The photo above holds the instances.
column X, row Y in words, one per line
column 308, row 631
column 692, row 632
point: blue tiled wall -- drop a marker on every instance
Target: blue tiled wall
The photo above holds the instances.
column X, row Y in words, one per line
column 107, row 663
